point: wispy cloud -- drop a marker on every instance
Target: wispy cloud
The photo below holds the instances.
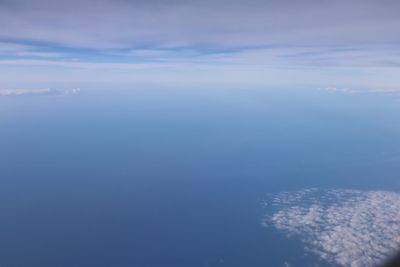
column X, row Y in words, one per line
column 345, row 227
column 216, row 23
column 19, row 92
column 18, row 50
column 340, row 90
column 283, row 57
column 351, row 44
column 345, row 90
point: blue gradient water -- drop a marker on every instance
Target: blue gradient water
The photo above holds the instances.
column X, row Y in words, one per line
column 176, row 177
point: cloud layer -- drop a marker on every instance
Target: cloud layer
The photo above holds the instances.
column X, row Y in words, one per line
column 344, row 227
column 309, row 43
column 226, row 23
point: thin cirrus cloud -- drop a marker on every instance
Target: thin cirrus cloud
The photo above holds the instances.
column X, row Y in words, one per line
column 344, row 227
column 329, row 38
column 124, row 23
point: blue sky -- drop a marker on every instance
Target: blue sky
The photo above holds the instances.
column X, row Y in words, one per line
column 312, row 44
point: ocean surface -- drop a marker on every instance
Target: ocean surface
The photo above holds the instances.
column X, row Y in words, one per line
column 178, row 177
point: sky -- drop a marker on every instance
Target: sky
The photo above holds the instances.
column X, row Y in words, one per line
column 272, row 43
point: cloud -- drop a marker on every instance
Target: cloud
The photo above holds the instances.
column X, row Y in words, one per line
column 340, row 90
column 72, row 91
column 345, row 90
column 9, row 49
column 16, row 92
column 224, row 23
column 346, row 43
column 344, row 227
column 19, row 92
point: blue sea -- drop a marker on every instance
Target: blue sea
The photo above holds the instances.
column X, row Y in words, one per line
column 177, row 177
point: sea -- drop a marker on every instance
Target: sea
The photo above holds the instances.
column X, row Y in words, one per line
column 178, row 177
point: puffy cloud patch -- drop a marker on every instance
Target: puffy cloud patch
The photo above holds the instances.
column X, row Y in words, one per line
column 344, row 227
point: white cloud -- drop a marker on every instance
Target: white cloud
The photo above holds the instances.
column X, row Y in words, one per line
column 346, row 90
column 344, row 227
column 340, row 90
column 72, row 91
column 19, row 92
column 10, row 92
column 26, row 51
